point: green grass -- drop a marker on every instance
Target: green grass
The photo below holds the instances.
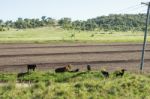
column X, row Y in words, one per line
column 82, row 85
column 58, row 35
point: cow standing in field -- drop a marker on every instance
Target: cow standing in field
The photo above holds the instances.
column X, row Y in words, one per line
column 31, row 67
column 120, row 73
column 89, row 67
column 105, row 73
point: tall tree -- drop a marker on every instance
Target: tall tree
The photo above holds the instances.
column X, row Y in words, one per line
column 65, row 23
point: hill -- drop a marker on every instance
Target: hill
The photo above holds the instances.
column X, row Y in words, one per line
column 116, row 22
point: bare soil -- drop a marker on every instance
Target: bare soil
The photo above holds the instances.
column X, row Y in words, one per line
column 15, row 57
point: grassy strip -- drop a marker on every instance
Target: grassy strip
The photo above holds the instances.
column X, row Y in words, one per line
column 57, row 35
column 80, row 85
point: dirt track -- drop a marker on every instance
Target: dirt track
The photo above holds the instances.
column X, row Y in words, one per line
column 14, row 57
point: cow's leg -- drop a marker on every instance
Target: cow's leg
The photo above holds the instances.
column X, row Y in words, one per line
column 28, row 69
column 33, row 69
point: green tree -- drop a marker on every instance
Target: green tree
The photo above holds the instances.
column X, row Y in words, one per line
column 65, row 23
column 50, row 21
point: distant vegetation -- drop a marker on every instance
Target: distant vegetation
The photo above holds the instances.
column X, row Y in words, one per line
column 105, row 29
column 81, row 85
column 59, row 35
column 113, row 22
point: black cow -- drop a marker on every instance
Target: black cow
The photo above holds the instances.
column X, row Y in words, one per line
column 105, row 73
column 31, row 67
column 120, row 73
column 88, row 67
column 22, row 74
column 76, row 70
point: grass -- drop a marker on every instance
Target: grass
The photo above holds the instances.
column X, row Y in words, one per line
column 81, row 85
column 58, row 35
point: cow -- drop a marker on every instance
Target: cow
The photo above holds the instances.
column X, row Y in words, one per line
column 120, row 73
column 63, row 69
column 20, row 75
column 31, row 67
column 89, row 67
column 105, row 73
column 76, row 70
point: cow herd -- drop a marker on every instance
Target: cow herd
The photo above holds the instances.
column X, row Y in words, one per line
column 120, row 73
column 68, row 68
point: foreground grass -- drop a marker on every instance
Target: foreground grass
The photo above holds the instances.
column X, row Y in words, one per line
column 58, row 35
column 82, row 85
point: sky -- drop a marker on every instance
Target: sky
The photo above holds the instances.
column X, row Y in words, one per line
column 75, row 9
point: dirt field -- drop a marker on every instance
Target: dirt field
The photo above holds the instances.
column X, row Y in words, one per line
column 15, row 57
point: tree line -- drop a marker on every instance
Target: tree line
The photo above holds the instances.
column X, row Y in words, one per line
column 116, row 22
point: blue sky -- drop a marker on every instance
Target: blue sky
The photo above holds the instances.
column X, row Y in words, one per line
column 75, row 9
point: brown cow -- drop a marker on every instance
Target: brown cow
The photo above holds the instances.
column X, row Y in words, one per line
column 63, row 69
